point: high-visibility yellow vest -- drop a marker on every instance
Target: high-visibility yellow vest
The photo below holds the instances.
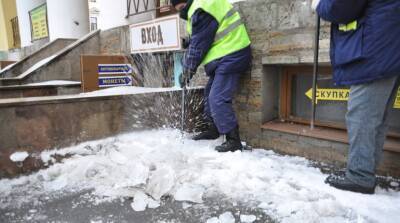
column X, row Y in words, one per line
column 231, row 34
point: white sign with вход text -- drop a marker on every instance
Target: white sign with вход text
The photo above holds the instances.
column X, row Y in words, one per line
column 157, row 35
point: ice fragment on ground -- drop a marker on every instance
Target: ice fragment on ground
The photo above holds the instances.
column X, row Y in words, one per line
column 19, row 156
column 46, row 157
column 118, row 158
column 140, row 201
column 213, row 220
column 394, row 184
column 153, row 204
column 190, row 192
column 161, row 182
column 247, row 218
column 186, row 205
column 226, row 217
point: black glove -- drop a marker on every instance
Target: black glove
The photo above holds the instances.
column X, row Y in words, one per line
column 185, row 42
column 185, row 77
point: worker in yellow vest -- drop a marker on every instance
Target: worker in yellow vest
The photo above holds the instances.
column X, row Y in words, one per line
column 219, row 41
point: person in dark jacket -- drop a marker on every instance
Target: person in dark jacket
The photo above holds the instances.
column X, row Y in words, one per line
column 218, row 39
column 365, row 54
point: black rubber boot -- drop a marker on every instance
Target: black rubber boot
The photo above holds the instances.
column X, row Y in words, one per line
column 232, row 143
column 209, row 134
column 342, row 183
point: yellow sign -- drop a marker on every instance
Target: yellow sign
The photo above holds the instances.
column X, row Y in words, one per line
column 329, row 94
column 397, row 102
column 38, row 18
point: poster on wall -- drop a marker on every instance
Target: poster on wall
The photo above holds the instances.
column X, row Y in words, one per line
column 157, row 35
column 38, row 18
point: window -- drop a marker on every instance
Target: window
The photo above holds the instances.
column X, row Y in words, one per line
column 93, row 23
column 331, row 108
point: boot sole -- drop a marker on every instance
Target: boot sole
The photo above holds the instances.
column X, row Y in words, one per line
column 358, row 189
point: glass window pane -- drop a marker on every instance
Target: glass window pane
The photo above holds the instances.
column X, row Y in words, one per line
column 331, row 102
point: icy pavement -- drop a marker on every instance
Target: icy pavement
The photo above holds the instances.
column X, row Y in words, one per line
column 155, row 176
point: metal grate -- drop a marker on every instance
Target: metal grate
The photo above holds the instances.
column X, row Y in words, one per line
column 136, row 7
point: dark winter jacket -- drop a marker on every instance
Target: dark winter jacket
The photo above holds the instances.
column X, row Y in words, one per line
column 370, row 52
column 204, row 28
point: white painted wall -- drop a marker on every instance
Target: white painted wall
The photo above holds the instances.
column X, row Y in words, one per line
column 112, row 13
column 63, row 16
column 23, row 8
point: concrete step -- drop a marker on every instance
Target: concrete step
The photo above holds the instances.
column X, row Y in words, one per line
column 62, row 65
column 51, row 88
column 27, row 62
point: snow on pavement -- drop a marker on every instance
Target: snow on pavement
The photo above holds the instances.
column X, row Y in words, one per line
column 151, row 164
column 19, row 156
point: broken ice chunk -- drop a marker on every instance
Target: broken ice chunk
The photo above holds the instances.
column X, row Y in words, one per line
column 19, row 156
column 161, row 182
column 153, row 204
column 213, row 220
column 140, row 201
column 247, row 218
column 190, row 192
column 227, row 217
column 118, row 158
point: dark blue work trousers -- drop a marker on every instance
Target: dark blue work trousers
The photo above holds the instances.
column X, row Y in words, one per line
column 218, row 95
column 224, row 75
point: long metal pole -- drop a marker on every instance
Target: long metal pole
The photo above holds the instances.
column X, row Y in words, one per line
column 183, row 108
column 315, row 74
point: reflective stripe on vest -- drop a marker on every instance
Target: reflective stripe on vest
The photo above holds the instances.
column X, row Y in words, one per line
column 231, row 35
column 348, row 27
column 226, row 31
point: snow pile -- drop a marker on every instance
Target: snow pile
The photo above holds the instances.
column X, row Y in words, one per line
column 123, row 90
column 151, row 164
column 54, row 82
column 19, row 156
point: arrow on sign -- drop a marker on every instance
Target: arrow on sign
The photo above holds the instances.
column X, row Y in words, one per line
column 397, row 102
column 114, row 81
column 325, row 94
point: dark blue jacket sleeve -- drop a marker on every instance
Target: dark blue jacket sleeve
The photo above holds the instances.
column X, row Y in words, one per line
column 204, row 28
column 341, row 11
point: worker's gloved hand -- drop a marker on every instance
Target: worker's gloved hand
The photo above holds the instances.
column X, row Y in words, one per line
column 185, row 77
column 314, row 4
column 185, row 42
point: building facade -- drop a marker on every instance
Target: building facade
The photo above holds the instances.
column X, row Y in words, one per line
column 9, row 30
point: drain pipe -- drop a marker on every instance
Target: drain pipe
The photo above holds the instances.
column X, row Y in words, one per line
column 315, row 72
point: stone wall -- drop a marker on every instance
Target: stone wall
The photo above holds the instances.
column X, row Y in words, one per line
column 281, row 33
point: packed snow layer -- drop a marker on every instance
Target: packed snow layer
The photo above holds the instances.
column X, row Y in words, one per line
column 19, row 156
column 151, row 164
column 54, row 82
column 123, row 90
